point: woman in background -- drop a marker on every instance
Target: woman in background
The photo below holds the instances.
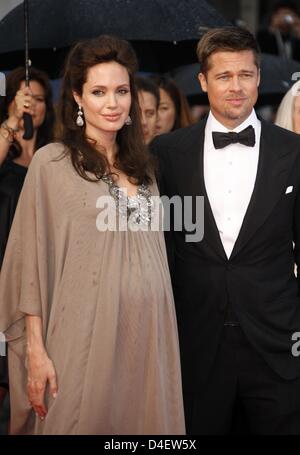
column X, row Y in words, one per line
column 288, row 114
column 16, row 152
column 173, row 109
column 148, row 96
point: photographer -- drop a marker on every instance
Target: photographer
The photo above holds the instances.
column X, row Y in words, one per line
column 282, row 37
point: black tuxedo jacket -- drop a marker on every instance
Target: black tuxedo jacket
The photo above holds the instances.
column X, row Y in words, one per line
column 258, row 279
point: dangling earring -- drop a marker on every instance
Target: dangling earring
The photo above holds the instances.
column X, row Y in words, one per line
column 128, row 121
column 79, row 120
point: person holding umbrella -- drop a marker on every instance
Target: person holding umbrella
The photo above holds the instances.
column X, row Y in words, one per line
column 236, row 294
column 35, row 100
column 86, row 304
column 16, row 152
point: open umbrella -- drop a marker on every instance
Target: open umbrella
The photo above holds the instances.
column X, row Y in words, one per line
column 276, row 78
column 58, row 24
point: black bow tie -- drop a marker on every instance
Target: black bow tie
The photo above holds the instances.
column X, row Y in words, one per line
column 245, row 137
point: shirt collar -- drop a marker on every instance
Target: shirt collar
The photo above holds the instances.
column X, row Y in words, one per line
column 213, row 124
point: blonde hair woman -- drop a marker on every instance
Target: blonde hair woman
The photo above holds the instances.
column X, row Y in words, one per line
column 288, row 114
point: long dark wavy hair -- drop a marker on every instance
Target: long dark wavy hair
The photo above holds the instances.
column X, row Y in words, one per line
column 182, row 110
column 13, row 83
column 133, row 157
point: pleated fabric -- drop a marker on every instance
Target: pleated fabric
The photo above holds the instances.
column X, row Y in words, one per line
column 106, row 303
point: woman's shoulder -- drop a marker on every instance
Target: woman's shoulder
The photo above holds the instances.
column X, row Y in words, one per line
column 52, row 161
column 50, row 152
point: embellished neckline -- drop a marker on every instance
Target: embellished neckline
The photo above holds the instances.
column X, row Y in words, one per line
column 136, row 209
column 141, row 189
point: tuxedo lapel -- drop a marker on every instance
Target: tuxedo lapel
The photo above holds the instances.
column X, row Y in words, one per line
column 194, row 185
column 211, row 231
column 274, row 166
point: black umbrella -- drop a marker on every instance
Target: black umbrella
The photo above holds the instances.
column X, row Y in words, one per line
column 276, row 79
column 28, row 125
column 186, row 77
column 57, row 24
column 277, row 74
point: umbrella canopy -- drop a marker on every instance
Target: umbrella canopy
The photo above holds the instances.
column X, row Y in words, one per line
column 7, row 5
column 56, row 23
column 276, row 74
column 276, row 78
column 164, row 33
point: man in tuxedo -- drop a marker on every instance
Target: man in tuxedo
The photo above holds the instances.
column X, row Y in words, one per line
column 236, row 295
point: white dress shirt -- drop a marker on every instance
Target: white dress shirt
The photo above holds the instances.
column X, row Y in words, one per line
column 229, row 176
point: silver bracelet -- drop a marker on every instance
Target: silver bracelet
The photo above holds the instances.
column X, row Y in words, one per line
column 6, row 126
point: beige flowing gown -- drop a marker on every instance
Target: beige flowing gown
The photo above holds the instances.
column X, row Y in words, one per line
column 107, row 308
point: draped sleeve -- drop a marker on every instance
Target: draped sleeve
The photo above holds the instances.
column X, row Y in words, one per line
column 27, row 274
column 27, row 269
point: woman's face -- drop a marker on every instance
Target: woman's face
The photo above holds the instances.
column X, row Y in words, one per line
column 106, row 98
column 38, row 104
column 148, row 109
column 166, row 113
column 296, row 118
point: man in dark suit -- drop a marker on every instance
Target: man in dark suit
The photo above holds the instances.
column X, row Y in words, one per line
column 236, row 295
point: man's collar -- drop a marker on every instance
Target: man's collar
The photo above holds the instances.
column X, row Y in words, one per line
column 214, row 125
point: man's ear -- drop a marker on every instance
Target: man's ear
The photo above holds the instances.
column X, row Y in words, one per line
column 203, row 81
column 258, row 78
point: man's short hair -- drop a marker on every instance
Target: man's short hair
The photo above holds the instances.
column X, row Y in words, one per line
column 226, row 39
column 145, row 84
